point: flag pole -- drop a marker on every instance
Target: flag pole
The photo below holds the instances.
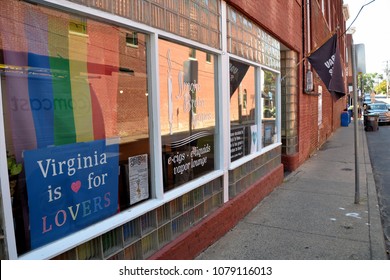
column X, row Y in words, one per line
column 309, row 53
column 323, row 42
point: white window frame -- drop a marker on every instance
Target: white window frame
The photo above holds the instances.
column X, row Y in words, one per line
column 258, row 112
column 158, row 197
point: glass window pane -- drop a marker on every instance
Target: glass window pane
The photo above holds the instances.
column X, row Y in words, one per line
column 268, row 98
column 249, row 41
column 187, row 18
column 188, row 118
column 243, row 127
column 75, row 106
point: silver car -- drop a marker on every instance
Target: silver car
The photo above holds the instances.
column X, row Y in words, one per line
column 381, row 110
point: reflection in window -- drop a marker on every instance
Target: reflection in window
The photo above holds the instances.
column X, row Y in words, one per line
column 208, row 57
column 192, row 54
column 188, row 118
column 78, row 25
column 79, row 111
column 132, row 39
column 268, row 98
column 243, row 128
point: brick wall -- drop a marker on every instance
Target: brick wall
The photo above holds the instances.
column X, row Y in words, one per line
column 283, row 20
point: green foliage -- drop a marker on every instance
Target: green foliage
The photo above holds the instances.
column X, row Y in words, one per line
column 269, row 82
column 269, row 112
column 367, row 81
column 14, row 168
column 381, row 87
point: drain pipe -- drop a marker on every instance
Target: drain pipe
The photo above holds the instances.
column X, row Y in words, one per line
column 308, row 24
column 308, row 27
column 309, row 73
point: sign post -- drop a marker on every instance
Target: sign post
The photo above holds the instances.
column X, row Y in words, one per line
column 356, row 124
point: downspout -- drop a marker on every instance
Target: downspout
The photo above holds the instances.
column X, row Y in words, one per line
column 308, row 74
column 303, row 44
column 308, row 30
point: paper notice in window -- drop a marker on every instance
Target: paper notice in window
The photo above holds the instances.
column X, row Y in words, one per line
column 138, row 177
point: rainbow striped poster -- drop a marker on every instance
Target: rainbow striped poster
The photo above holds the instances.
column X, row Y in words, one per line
column 61, row 82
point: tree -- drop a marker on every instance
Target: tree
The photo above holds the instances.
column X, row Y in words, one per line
column 367, row 81
column 381, row 87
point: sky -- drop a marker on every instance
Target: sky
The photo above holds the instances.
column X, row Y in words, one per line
column 373, row 30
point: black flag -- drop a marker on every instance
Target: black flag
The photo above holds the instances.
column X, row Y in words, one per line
column 326, row 62
column 237, row 73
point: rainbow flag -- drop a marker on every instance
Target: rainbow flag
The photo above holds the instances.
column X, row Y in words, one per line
column 61, row 81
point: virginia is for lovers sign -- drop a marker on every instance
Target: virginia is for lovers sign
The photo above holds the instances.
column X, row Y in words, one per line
column 70, row 187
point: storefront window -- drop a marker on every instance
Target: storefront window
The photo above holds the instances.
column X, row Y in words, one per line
column 269, row 107
column 243, row 128
column 247, row 40
column 188, row 118
column 75, row 104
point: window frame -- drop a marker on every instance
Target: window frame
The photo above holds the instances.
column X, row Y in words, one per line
column 132, row 39
column 258, row 112
column 217, row 172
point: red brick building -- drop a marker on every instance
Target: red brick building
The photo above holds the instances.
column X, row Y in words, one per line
column 179, row 116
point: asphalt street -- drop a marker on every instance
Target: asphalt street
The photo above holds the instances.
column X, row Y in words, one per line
column 378, row 146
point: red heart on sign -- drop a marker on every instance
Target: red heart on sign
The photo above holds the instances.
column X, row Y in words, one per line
column 76, row 186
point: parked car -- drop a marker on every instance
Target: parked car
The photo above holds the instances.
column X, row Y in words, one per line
column 388, row 106
column 381, row 109
column 366, row 101
column 380, row 97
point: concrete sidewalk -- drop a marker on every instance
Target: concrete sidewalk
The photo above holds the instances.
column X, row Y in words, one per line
column 312, row 215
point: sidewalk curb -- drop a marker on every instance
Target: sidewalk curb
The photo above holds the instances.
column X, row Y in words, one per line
column 376, row 236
